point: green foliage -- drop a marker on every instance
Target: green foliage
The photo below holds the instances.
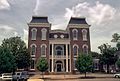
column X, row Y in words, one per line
column 116, row 37
column 95, row 55
column 118, row 63
column 84, row 63
column 18, row 48
column 108, row 56
column 118, row 45
column 7, row 61
column 42, row 64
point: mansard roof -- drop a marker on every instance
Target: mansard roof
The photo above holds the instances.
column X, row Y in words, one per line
column 77, row 20
column 39, row 19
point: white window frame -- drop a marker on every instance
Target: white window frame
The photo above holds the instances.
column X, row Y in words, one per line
column 44, row 33
column 31, row 64
column 77, row 50
column 85, row 45
column 33, row 33
column 44, row 50
column 84, row 34
column 32, row 55
column 75, row 36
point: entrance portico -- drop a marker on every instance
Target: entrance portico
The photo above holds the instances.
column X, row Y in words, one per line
column 60, row 56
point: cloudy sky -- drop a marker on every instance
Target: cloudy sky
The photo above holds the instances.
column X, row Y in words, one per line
column 102, row 15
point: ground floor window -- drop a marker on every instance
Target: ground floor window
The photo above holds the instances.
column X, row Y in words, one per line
column 75, row 60
column 32, row 64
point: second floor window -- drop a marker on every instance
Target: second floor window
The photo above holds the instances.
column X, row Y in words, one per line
column 33, row 33
column 44, row 31
column 75, row 34
column 84, row 34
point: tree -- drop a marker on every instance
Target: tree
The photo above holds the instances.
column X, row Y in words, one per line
column 17, row 48
column 7, row 61
column 95, row 55
column 42, row 65
column 108, row 56
column 116, row 37
column 84, row 63
column 118, row 63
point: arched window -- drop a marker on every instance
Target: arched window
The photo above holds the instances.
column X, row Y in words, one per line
column 85, row 49
column 43, row 50
column 75, row 50
column 84, row 34
column 59, row 50
column 33, row 49
column 34, row 33
column 44, row 31
column 75, row 34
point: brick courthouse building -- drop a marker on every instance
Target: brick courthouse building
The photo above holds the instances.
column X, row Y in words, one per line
column 60, row 47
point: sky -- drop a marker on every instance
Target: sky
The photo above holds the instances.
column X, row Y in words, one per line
column 102, row 15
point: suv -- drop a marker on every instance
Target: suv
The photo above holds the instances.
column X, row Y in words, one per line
column 21, row 76
column 6, row 76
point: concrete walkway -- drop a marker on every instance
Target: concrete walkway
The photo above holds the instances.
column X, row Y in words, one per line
column 92, row 76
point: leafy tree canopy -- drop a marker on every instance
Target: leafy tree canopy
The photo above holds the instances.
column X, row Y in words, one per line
column 84, row 63
column 7, row 61
column 42, row 64
column 17, row 48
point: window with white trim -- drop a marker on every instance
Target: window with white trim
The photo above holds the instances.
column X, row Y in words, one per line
column 33, row 49
column 34, row 33
column 32, row 65
column 85, row 49
column 44, row 31
column 84, row 34
column 43, row 50
column 75, row 61
column 75, row 34
column 75, row 50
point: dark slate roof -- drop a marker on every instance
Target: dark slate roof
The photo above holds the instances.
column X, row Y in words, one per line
column 37, row 19
column 77, row 20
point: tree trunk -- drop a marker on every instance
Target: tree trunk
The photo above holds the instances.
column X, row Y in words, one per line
column 42, row 76
column 107, row 68
column 85, row 74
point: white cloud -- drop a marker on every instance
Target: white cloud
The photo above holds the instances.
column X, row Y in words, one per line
column 25, row 36
column 36, row 7
column 6, row 28
column 4, row 5
column 97, row 14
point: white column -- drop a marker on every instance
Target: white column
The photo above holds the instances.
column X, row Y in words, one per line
column 66, row 57
column 70, row 57
column 52, row 59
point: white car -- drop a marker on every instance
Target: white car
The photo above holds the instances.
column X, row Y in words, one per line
column 117, row 75
column 6, row 76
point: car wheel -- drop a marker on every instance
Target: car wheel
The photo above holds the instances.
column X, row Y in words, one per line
column 116, row 76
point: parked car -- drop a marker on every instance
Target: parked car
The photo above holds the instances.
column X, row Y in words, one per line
column 6, row 76
column 20, row 75
column 117, row 75
column 0, row 77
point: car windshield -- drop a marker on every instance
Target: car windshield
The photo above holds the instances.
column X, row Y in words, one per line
column 18, row 73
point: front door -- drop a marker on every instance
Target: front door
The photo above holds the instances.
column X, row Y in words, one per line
column 59, row 67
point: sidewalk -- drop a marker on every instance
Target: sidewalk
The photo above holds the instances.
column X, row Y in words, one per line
column 60, row 77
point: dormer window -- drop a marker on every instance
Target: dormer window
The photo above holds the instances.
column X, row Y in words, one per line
column 75, row 34
column 44, row 31
column 84, row 34
column 34, row 33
